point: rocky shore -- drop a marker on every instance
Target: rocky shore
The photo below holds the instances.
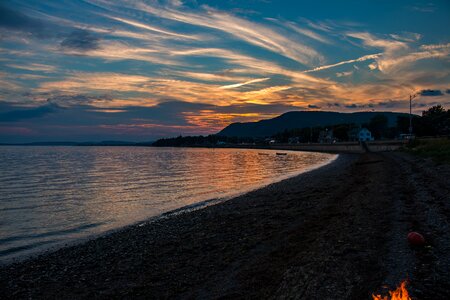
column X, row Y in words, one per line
column 338, row 232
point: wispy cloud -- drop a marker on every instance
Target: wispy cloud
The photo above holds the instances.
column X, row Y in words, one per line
column 436, row 46
column 34, row 67
column 223, row 76
column 250, row 32
column 368, row 39
column 359, row 59
column 396, row 62
column 303, row 31
column 343, row 74
column 117, row 50
column 153, row 28
column 424, row 8
column 406, row 36
column 96, row 81
column 232, row 86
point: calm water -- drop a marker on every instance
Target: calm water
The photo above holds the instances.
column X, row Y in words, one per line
column 52, row 195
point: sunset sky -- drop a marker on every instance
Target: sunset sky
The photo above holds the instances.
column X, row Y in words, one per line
column 138, row 70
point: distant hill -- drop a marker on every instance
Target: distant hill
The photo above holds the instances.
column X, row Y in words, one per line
column 302, row 119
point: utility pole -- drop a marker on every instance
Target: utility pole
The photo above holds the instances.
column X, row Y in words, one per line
column 410, row 114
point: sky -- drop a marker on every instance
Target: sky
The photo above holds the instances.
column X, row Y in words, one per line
column 98, row 70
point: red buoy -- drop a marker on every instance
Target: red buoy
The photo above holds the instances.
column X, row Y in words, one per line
column 416, row 239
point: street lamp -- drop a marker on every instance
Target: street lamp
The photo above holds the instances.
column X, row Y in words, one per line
column 410, row 113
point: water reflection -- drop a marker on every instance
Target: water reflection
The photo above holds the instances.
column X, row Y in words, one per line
column 54, row 194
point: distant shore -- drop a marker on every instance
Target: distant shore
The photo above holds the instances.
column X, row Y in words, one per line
column 340, row 147
column 337, row 232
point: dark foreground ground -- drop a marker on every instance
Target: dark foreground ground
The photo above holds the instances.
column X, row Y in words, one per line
column 335, row 233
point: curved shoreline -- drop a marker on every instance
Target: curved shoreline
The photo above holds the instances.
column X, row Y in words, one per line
column 338, row 232
column 32, row 254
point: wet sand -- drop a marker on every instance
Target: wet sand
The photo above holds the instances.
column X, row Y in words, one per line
column 338, row 232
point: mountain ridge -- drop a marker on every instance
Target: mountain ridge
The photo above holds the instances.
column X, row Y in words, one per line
column 302, row 119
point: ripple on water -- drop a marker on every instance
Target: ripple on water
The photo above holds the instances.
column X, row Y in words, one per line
column 53, row 195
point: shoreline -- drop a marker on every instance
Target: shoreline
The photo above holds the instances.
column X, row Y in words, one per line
column 164, row 215
column 337, row 232
column 352, row 147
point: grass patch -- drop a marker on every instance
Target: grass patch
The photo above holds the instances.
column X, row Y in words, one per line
column 438, row 149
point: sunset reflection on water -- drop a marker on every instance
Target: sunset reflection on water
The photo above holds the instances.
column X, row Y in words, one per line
column 51, row 195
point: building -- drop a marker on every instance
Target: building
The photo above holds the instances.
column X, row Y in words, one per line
column 360, row 134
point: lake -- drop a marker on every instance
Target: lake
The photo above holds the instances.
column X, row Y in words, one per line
column 50, row 196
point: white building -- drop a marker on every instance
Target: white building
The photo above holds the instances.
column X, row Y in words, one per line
column 360, row 134
column 364, row 135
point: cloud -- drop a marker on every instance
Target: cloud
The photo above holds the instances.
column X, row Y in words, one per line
column 14, row 20
column 8, row 85
column 25, row 26
column 80, row 40
column 242, row 29
column 373, row 66
column 146, row 91
column 371, row 40
column 303, row 31
column 424, row 8
column 313, row 106
column 321, row 26
column 407, row 36
column 231, row 86
column 117, row 50
column 396, row 62
column 76, row 100
column 362, row 58
column 431, row 93
column 170, row 118
column 34, row 67
column 26, row 113
column 344, row 74
column 435, row 46
column 227, row 75
column 101, row 81
column 153, row 28
column 389, row 103
column 336, row 104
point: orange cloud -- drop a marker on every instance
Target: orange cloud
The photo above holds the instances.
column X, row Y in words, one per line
column 213, row 121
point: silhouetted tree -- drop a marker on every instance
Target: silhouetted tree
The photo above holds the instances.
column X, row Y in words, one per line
column 341, row 131
column 437, row 120
column 378, row 125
